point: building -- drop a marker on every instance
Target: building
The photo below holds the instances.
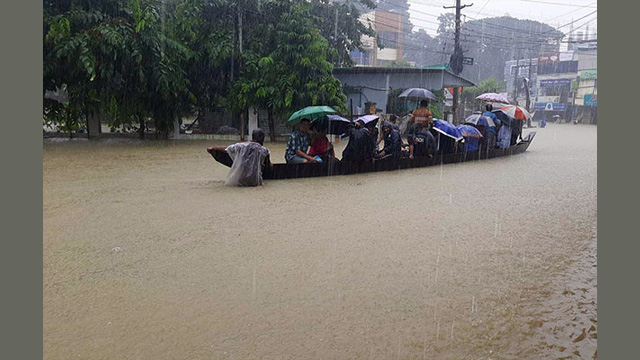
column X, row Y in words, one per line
column 389, row 28
column 557, row 74
column 561, row 83
column 374, row 85
column 586, row 94
column 514, row 73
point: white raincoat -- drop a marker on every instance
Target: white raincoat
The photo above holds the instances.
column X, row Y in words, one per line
column 248, row 159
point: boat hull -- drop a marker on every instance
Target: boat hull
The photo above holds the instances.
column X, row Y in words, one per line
column 292, row 171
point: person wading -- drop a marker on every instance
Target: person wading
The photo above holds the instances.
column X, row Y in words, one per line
column 249, row 159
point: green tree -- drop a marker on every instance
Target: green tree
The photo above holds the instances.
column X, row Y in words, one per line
column 339, row 23
column 120, row 58
column 469, row 94
column 295, row 74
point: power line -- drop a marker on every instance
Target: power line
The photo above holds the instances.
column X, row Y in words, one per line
column 561, row 4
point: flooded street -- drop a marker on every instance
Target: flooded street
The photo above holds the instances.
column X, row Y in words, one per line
column 147, row 255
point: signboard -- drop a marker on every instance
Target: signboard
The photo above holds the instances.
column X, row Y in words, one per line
column 548, row 58
column 566, row 56
column 555, row 83
column 467, row 61
column 591, row 100
column 588, row 74
column 549, row 106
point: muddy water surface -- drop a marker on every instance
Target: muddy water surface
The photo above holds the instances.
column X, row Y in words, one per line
column 147, row 255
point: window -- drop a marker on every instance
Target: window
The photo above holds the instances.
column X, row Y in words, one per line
column 388, row 39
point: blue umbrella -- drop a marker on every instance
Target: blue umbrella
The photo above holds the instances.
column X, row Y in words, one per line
column 469, row 131
column 471, row 137
column 447, row 129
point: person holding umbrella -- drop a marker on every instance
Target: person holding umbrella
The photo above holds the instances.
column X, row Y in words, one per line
column 361, row 145
column 298, row 145
column 422, row 115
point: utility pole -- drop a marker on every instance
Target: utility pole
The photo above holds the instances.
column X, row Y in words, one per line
column 515, row 80
column 457, row 56
column 240, row 66
column 529, row 91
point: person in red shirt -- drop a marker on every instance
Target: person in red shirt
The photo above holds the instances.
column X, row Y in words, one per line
column 320, row 145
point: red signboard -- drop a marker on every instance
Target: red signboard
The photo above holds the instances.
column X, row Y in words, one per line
column 549, row 58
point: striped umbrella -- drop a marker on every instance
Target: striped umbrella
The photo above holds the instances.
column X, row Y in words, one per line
column 516, row 112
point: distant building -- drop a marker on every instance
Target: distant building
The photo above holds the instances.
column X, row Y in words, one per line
column 521, row 70
column 562, row 83
column 389, row 28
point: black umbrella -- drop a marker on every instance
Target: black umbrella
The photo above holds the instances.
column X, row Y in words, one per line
column 418, row 93
column 333, row 124
column 504, row 118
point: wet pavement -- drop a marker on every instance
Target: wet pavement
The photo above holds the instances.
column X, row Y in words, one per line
column 147, row 255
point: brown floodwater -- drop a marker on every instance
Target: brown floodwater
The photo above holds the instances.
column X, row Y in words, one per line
column 147, row 255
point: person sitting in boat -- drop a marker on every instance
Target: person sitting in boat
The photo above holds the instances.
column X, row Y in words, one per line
column 488, row 112
column 516, row 132
column 298, row 145
column 504, row 136
column 392, row 120
column 392, row 142
column 421, row 141
column 320, row 144
column 249, row 159
column 489, row 133
column 361, row 145
column 422, row 115
column 377, row 138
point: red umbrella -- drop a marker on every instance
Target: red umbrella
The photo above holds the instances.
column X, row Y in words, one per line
column 516, row 112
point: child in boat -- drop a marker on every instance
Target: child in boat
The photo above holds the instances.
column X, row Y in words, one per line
column 320, row 144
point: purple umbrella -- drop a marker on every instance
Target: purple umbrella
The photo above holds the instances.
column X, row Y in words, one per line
column 368, row 118
column 493, row 97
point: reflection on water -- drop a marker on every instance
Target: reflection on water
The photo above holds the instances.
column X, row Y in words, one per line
column 148, row 255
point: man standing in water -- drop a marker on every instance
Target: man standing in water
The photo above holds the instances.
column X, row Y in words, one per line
column 248, row 160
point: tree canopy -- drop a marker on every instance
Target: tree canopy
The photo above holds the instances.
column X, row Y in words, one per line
column 134, row 61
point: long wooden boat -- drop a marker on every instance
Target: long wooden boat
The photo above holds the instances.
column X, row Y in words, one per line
column 292, row 171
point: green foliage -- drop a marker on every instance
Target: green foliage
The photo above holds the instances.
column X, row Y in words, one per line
column 469, row 94
column 295, row 74
column 140, row 60
column 399, row 64
column 120, row 58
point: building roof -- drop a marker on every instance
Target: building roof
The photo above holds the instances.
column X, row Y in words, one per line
column 427, row 70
